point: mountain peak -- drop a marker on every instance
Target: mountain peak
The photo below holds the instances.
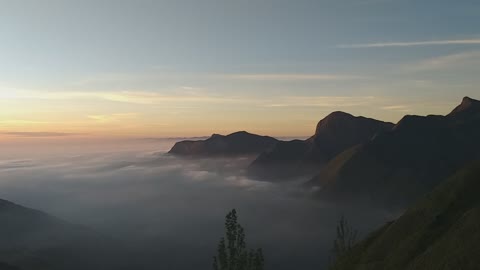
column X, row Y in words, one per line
column 334, row 118
column 343, row 122
column 338, row 114
column 468, row 99
column 215, row 135
column 468, row 105
column 243, row 132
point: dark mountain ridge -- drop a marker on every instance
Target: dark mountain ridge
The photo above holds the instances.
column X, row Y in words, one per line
column 399, row 166
column 238, row 143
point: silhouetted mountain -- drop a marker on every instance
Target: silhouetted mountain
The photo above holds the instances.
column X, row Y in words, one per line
column 468, row 107
column 235, row 144
column 400, row 165
column 333, row 135
column 442, row 231
column 32, row 240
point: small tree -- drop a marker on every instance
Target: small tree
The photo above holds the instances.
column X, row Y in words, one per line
column 232, row 250
column 345, row 240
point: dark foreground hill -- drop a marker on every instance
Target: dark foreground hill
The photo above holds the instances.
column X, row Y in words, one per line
column 442, row 231
column 4, row 266
column 399, row 166
column 333, row 135
column 33, row 240
column 235, row 144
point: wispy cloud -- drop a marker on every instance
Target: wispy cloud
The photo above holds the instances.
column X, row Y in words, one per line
column 447, row 61
column 413, row 43
column 38, row 134
column 291, row 77
column 115, row 117
column 156, row 77
column 22, row 122
column 398, row 108
column 322, row 101
column 135, row 97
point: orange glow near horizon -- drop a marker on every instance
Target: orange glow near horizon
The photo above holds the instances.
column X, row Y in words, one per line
column 150, row 114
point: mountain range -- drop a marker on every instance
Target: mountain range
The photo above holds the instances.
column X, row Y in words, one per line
column 429, row 164
column 399, row 166
column 358, row 157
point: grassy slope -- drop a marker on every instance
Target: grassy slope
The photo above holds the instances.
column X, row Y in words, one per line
column 441, row 232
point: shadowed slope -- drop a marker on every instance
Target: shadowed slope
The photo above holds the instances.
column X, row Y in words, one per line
column 34, row 240
column 442, row 231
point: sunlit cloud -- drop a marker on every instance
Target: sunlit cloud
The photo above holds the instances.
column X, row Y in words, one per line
column 413, row 43
column 399, row 108
column 115, row 117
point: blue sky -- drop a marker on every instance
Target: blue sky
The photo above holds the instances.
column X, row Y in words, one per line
column 214, row 65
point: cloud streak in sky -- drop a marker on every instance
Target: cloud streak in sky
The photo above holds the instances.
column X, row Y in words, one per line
column 322, row 101
column 412, row 43
column 38, row 134
column 135, row 97
column 292, row 77
column 462, row 59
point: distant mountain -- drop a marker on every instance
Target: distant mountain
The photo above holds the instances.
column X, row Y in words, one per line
column 235, row 144
column 399, row 166
column 333, row 135
column 442, row 231
column 33, row 240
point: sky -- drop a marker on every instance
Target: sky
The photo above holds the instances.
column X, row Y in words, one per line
column 175, row 68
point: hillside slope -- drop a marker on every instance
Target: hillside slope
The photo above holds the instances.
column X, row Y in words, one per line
column 441, row 232
column 33, row 240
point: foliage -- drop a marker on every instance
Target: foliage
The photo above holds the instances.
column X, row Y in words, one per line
column 232, row 249
column 345, row 240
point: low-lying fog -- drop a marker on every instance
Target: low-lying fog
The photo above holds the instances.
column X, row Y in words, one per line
column 172, row 209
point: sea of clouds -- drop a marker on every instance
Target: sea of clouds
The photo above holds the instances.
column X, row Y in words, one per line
column 170, row 209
